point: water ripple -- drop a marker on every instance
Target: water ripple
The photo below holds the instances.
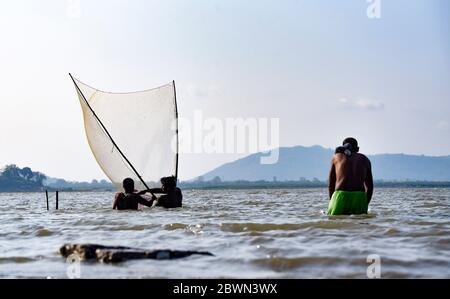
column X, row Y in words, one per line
column 250, row 234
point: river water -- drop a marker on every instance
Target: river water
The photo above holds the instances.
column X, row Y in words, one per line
column 252, row 234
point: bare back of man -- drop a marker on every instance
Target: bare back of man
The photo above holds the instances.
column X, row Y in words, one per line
column 350, row 182
column 351, row 172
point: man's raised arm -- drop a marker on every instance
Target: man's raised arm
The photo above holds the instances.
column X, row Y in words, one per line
column 152, row 191
column 145, row 202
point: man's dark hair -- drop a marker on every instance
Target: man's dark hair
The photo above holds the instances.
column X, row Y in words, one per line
column 128, row 185
column 169, row 182
column 353, row 142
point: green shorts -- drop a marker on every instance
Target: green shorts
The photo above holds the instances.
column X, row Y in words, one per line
column 348, row 203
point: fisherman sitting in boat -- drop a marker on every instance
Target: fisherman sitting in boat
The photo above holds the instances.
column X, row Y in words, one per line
column 130, row 200
column 172, row 196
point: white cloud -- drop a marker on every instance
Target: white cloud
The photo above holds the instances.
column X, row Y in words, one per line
column 364, row 104
column 202, row 91
column 443, row 125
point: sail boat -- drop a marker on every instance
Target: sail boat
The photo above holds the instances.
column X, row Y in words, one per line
column 132, row 134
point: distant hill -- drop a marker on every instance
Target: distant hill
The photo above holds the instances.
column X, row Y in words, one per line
column 309, row 163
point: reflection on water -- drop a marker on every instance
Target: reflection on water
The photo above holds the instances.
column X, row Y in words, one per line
column 253, row 233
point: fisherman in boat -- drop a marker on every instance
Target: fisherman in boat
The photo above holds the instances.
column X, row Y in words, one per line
column 350, row 181
column 130, row 200
column 171, row 197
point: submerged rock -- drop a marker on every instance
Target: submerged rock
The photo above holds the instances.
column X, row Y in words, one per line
column 117, row 254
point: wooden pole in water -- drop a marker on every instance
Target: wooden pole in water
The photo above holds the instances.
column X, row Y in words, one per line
column 46, row 196
column 57, row 193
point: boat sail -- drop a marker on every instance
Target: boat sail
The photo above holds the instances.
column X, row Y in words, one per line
column 132, row 134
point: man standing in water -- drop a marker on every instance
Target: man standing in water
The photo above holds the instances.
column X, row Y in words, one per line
column 350, row 181
column 172, row 196
column 129, row 200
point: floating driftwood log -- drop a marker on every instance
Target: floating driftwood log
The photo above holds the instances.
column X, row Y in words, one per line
column 117, row 254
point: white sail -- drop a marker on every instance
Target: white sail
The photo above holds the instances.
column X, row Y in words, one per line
column 132, row 134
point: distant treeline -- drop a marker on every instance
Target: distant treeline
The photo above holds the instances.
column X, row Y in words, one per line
column 216, row 184
column 16, row 179
column 63, row 185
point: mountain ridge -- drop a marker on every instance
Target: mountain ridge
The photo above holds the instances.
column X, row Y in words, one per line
column 300, row 162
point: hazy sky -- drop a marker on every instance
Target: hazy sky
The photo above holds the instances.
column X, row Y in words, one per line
column 323, row 67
